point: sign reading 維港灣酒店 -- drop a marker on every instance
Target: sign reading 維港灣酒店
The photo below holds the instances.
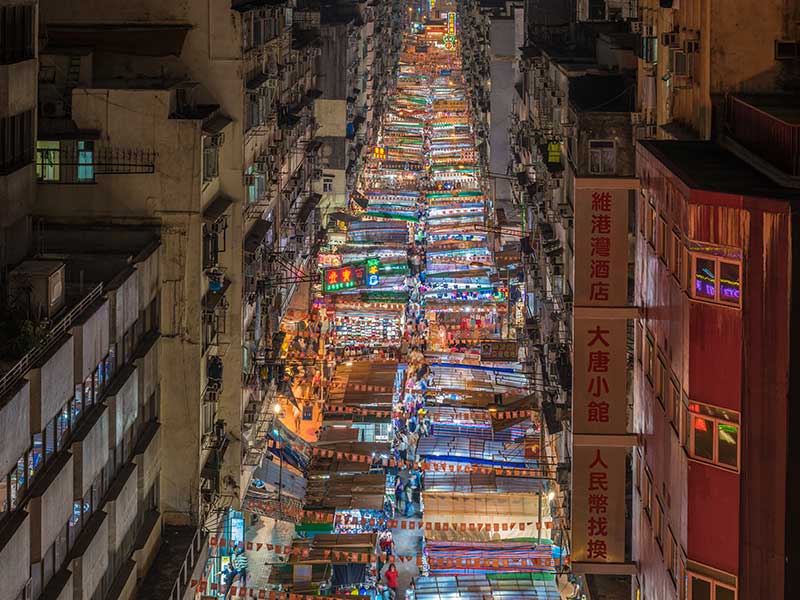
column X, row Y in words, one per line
column 345, row 277
column 601, row 247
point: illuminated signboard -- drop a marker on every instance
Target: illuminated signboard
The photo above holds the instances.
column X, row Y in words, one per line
column 553, row 153
column 351, row 276
column 451, row 23
column 373, row 267
column 379, row 153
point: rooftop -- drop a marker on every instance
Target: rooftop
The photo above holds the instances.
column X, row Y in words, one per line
column 706, row 166
column 93, row 257
column 603, row 93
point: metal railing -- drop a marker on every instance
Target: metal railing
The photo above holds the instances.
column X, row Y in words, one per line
column 12, row 377
column 769, row 136
column 189, row 562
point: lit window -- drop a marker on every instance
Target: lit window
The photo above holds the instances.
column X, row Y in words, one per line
column 48, row 161
column 85, row 161
column 714, row 435
column 717, row 280
column 602, row 157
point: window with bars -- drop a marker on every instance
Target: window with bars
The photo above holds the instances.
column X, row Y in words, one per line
column 16, row 33
column 16, row 141
column 602, row 157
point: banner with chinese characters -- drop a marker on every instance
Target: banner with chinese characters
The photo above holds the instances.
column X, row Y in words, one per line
column 599, row 380
column 598, row 504
column 601, row 247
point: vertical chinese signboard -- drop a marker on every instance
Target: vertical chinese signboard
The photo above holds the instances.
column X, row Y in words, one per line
column 599, row 387
column 598, row 489
column 601, row 248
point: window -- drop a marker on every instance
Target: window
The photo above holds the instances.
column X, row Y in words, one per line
column 16, row 141
column 663, row 239
column 674, row 404
column 658, row 523
column 647, row 492
column 211, row 146
column 16, row 33
column 85, row 161
column 327, row 184
column 716, row 280
column 649, row 49
column 48, row 161
column 651, row 223
column 661, row 380
column 714, row 435
column 703, row 588
column 677, row 256
column 638, row 341
column 602, row 157
column 648, row 358
column 642, row 213
column 673, row 557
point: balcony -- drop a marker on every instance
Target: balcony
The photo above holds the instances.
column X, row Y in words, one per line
column 765, row 131
column 183, row 551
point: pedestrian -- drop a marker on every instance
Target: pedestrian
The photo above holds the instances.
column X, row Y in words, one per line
column 409, row 495
column 411, row 591
column 391, row 579
column 240, row 565
column 297, row 414
column 399, row 495
column 227, row 579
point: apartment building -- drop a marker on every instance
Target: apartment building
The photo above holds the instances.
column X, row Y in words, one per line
column 196, row 119
column 714, row 474
column 18, row 73
column 692, row 53
column 79, row 412
column 572, row 140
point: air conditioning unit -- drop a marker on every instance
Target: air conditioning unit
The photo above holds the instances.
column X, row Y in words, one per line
column 53, row 109
column 39, row 287
column 636, row 27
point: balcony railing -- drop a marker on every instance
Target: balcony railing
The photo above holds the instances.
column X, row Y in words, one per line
column 189, row 562
column 768, row 126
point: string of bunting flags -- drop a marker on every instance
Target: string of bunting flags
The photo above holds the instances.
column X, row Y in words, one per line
column 475, row 416
column 391, row 523
column 545, row 472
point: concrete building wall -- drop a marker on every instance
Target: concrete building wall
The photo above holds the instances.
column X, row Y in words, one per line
column 503, row 47
column 15, row 417
column 121, row 506
column 90, row 557
column 90, row 448
column 123, row 404
column 51, row 510
column 50, row 390
column 91, row 339
column 15, row 557
column 332, row 117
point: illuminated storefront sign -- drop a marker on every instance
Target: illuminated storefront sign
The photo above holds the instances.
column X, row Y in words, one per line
column 451, row 23
column 379, row 153
column 350, row 276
